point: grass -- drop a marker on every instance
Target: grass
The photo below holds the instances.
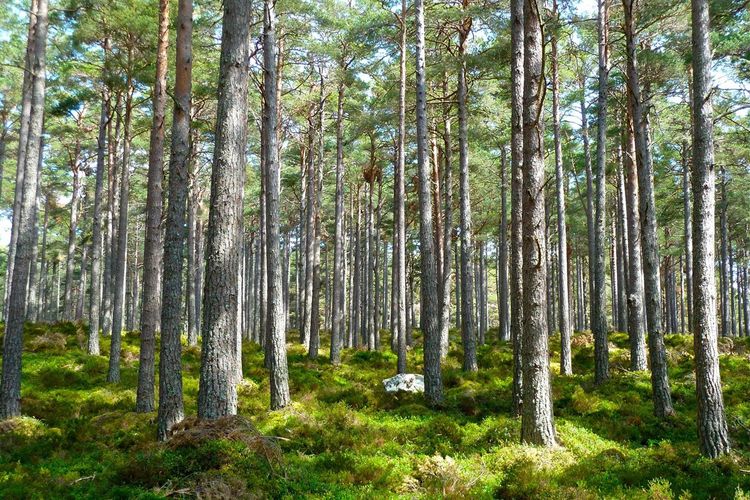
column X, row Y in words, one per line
column 344, row 437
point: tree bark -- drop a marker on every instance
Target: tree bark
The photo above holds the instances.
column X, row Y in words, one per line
column 10, row 385
column 153, row 247
column 712, row 426
column 566, row 366
column 432, row 374
column 649, row 242
column 217, row 393
column 170, row 362
column 537, row 426
column 516, row 199
column 274, row 322
column 598, row 313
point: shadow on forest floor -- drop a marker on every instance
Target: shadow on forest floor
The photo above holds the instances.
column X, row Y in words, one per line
column 345, row 437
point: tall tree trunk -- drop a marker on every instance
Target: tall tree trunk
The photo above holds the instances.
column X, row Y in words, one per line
column 566, row 366
column 110, row 240
column 339, row 320
column 636, row 313
column 274, row 322
column 649, row 243
column 725, row 275
column 23, row 135
column 598, row 304
column 467, row 279
column 10, row 384
column 72, row 232
column 119, row 261
column 537, row 426
column 170, row 364
column 95, row 298
column 42, row 286
column 217, row 393
column 432, row 374
column 153, row 248
column 712, row 425
column 502, row 258
column 516, row 199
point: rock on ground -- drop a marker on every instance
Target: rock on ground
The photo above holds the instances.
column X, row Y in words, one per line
column 404, row 382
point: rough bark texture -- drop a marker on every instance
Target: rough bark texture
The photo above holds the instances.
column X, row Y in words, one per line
column 516, row 195
column 399, row 260
column 339, row 321
column 95, row 298
column 649, row 242
column 217, row 393
column 598, row 313
column 566, row 366
column 712, row 425
column 636, row 314
column 170, row 357
column 429, row 312
column 275, row 335
column 153, row 247
column 119, row 260
column 537, row 426
column 468, row 333
column 10, row 385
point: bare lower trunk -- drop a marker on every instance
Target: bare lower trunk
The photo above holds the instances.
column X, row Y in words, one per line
column 537, row 426
column 516, row 199
column 429, row 314
column 217, row 393
column 712, row 425
column 170, row 363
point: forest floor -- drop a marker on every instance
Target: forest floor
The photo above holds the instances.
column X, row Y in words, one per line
column 344, row 437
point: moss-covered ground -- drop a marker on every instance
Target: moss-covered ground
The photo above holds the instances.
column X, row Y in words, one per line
column 343, row 437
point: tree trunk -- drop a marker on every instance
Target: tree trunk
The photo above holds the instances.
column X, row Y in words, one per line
column 153, row 247
column 598, row 313
column 649, row 242
column 537, row 426
column 467, row 259
column 712, row 426
column 432, row 375
column 217, row 393
column 72, row 232
column 119, row 261
column 516, row 199
column 170, row 363
column 276, row 336
column 636, row 314
column 566, row 366
column 502, row 258
column 10, row 384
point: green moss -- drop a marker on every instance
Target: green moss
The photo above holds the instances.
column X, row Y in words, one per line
column 344, row 437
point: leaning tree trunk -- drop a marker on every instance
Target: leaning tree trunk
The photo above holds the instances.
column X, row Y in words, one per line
column 10, row 384
column 276, row 336
column 468, row 334
column 72, row 234
column 516, row 199
column 537, row 426
column 170, row 364
column 649, row 243
column 432, row 375
column 598, row 313
column 217, row 393
column 712, row 425
column 153, row 248
column 566, row 366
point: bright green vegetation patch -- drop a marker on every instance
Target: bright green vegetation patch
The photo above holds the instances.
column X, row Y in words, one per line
column 344, row 437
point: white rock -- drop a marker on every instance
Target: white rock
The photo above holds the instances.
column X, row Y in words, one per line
column 404, row 382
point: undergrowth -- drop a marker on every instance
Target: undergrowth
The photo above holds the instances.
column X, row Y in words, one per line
column 344, row 437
